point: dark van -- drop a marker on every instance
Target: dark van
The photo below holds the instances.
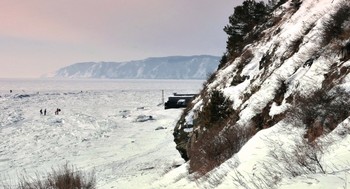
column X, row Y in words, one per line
column 179, row 100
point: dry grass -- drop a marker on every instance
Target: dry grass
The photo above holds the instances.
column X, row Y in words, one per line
column 66, row 177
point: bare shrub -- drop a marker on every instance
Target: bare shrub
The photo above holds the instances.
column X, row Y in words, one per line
column 280, row 92
column 333, row 27
column 295, row 45
column 66, row 177
column 308, row 156
column 293, row 48
column 263, row 120
column 303, row 158
column 298, row 159
column 346, row 32
column 216, row 146
column 246, row 57
column 334, row 77
column 320, row 112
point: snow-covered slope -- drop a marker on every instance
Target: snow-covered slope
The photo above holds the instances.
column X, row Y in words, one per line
column 173, row 67
column 290, row 105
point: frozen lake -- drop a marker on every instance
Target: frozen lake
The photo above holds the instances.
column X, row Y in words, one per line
column 103, row 127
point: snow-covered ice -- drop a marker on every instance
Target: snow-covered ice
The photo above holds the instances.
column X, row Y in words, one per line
column 98, row 129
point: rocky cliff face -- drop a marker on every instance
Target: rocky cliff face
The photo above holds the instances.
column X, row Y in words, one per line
column 173, row 67
column 294, row 77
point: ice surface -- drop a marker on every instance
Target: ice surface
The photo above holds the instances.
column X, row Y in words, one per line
column 98, row 129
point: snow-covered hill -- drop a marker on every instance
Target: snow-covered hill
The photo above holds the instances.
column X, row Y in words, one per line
column 277, row 114
column 173, row 67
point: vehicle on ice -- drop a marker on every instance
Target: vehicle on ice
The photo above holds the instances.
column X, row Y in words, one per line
column 178, row 100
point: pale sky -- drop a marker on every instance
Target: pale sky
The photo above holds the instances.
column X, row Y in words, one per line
column 41, row 36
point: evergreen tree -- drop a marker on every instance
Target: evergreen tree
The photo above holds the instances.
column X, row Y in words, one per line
column 218, row 108
column 241, row 22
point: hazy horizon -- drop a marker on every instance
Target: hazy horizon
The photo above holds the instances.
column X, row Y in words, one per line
column 39, row 36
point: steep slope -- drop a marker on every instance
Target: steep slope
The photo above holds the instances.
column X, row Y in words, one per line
column 173, row 67
column 279, row 110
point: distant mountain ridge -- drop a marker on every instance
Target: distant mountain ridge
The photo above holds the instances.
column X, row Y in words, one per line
column 171, row 67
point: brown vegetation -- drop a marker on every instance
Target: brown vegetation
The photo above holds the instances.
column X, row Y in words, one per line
column 246, row 57
column 320, row 112
column 333, row 28
column 216, row 145
column 216, row 137
column 66, row 177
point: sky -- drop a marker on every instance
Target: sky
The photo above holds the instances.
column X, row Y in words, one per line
column 40, row 36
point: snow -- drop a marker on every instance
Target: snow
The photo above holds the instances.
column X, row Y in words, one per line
column 275, row 109
column 317, row 181
column 234, row 93
column 106, row 131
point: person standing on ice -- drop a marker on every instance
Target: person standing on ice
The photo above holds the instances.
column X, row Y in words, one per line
column 41, row 111
column 57, row 111
column 45, row 112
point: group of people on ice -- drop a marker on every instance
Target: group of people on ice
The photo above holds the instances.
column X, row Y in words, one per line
column 41, row 112
column 44, row 112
